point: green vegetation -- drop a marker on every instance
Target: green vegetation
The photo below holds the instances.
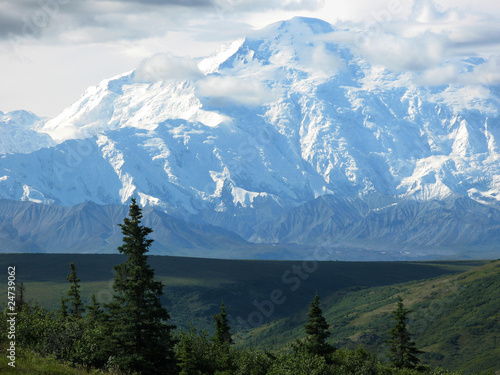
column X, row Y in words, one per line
column 196, row 286
column 445, row 310
column 120, row 324
column 31, row 363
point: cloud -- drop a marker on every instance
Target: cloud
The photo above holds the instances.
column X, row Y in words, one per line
column 184, row 3
column 424, row 38
column 407, row 54
column 441, row 75
column 9, row 25
column 96, row 21
column 166, row 66
column 427, row 11
column 321, row 62
column 487, row 73
column 222, row 91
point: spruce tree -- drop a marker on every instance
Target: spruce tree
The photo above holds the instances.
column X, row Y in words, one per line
column 222, row 330
column 63, row 310
column 20, row 297
column 317, row 330
column 76, row 307
column 95, row 314
column 402, row 350
column 139, row 338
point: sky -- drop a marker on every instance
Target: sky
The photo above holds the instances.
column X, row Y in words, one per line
column 52, row 50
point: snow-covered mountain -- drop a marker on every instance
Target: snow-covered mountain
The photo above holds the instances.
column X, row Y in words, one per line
column 19, row 133
column 264, row 125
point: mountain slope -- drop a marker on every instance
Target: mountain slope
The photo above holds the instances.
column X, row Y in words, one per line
column 31, row 227
column 458, row 227
column 454, row 319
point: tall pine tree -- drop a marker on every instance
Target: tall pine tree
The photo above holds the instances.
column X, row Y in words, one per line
column 317, row 330
column 222, row 330
column 402, row 350
column 20, row 297
column 76, row 307
column 139, row 337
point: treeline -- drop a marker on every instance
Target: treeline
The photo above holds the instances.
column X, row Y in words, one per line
column 132, row 334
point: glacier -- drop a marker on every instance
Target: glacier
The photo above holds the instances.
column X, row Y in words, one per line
column 265, row 125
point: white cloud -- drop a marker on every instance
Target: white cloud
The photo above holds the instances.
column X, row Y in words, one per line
column 427, row 39
column 485, row 74
column 401, row 54
column 441, row 75
column 221, row 91
column 165, row 66
column 320, row 61
column 467, row 97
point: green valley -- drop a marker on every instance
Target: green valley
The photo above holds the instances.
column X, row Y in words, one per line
column 456, row 303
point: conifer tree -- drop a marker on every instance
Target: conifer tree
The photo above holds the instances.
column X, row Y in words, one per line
column 63, row 310
column 195, row 353
column 76, row 307
column 20, row 297
column 402, row 350
column 317, row 330
column 139, row 338
column 95, row 314
column 222, row 329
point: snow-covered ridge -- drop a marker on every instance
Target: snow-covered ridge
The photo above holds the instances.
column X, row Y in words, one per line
column 212, row 63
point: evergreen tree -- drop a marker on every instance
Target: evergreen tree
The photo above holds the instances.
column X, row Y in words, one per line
column 222, row 342
column 195, row 353
column 402, row 350
column 317, row 330
column 139, row 338
column 63, row 310
column 76, row 307
column 20, row 297
column 222, row 329
column 95, row 314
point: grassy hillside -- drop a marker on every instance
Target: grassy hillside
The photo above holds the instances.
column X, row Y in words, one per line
column 456, row 319
column 267, row 300
column 28, row 363
column 195, row 287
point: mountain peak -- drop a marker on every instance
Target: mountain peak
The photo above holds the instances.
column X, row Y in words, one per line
column 19, row 118
column 298, row 25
